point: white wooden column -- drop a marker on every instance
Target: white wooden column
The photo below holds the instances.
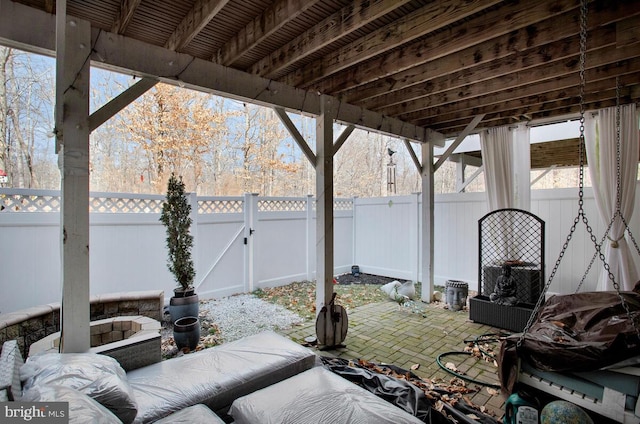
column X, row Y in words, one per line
column 310, row 228
column 324, row 204
column 427, row 222
column 414, row 250
column 73, row 47
column 250, row 224
column 192, row 199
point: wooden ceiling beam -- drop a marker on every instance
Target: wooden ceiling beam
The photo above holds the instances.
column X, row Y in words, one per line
column 573, row 109
column 274, row 18
column 628, row 32
column 540, row 34
column 434, row 16
column 528, row 59
column 49, row 6
column 538, row 105
column 547, row 71
column 196, row 19
column 447, row 42
column 548, row 91
column 125, row 15
column 330, row 29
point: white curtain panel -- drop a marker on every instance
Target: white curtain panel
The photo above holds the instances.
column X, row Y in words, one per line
column 522, row 167
column 601, row 141
column 496, row 146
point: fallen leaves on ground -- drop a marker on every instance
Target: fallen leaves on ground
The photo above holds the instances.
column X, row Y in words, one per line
column 440, row 394
column 209, row 336
column 300, row 297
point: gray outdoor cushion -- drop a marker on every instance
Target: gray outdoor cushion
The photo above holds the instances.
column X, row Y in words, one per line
column 82, row 408
column 217, row 376
column 199, row 414
column 97, row 376
column 10, row 363
column 317, row 396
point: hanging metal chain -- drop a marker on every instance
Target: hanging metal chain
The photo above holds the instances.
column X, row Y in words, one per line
column 581, row 213
column 583, row 51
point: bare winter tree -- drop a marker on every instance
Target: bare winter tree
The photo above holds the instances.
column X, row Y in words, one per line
column 25, row 117
column 268, row 160
column 4, row 60
column 173, row 129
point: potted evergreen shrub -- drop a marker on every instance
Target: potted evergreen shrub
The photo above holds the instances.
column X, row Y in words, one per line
column 176, row 217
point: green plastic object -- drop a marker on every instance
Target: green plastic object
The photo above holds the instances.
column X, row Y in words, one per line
column 520, row 410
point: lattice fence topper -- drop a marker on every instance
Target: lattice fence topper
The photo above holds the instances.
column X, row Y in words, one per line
column 29, row 203
column 125, row 205
column 20, row 201
column 343, row 204
column 220, row 206
column 282, row 205
column 339, row 205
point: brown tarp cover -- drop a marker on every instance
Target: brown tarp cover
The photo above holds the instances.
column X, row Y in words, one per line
column 576, row 332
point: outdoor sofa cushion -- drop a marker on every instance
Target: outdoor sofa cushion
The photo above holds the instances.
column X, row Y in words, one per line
column 10, row 363
column 316, row 396
column 97, row 376
column 216, row 377
column 82, row 408
column 199, row 414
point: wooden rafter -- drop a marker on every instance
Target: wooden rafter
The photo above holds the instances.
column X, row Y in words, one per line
column 466, row 86
column 496, row 48
column 513, row 106
column 410, row 27
column 462, row 76
column 530, row 38
column 127, row 9
column 337, row 25
column 447, row 42
column 260, row 28
column 628, row 32
column 559, row 78
column 198, row 17
column 49, row 6
column 564, row 107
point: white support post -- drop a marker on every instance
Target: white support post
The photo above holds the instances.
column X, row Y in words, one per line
column 415, row 229
column 310, row 229
column 460, row 168
column 250, row 224
column 353, row 230
column 73, row 44
column 193, row 201
column 324, row 208
column 427, row 222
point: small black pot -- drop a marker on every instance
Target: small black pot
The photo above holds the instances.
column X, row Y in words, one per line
column 186, row 332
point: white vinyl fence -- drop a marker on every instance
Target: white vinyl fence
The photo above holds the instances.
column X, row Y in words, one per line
column 248, row 242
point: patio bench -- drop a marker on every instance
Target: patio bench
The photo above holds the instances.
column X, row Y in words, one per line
column 213, row 377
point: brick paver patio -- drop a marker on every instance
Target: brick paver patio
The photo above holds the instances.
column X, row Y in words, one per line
column 386, row 333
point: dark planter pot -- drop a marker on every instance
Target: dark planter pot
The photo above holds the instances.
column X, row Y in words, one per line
column 188, row 306
column 186, row 332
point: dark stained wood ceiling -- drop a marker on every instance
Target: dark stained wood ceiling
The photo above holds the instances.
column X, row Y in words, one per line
column 435, row 64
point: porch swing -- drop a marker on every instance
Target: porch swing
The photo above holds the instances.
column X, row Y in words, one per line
column 583, row 347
